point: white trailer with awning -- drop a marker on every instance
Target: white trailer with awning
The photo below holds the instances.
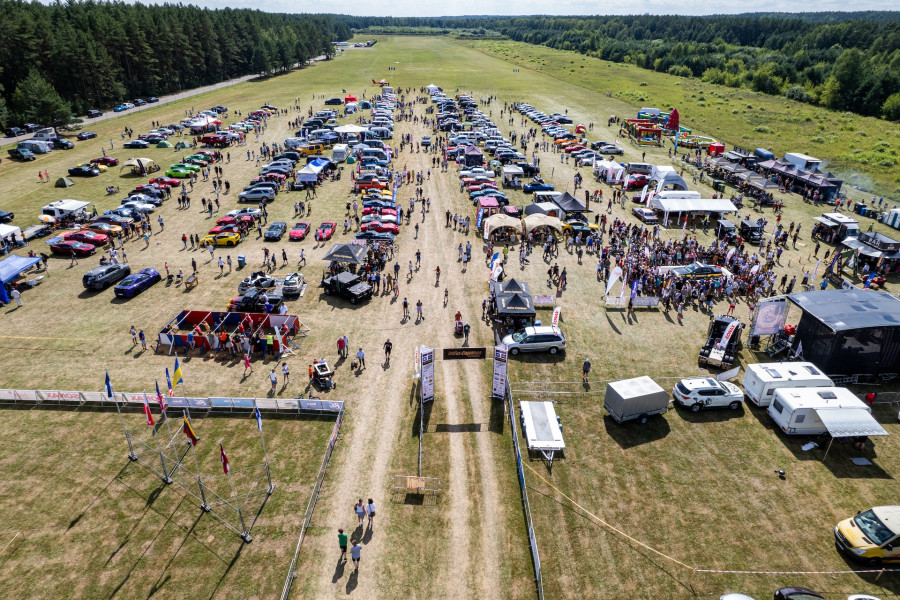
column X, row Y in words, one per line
column 542, row 429
column 668, row 204
column 817, row 410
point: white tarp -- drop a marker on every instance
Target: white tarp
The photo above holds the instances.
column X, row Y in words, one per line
column 11, row 230
column 849, row 422
column 310, row 172
column 669, row 205
column 350, row 128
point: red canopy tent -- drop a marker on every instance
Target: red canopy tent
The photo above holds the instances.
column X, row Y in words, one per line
column 349, row 98
column 716, row 149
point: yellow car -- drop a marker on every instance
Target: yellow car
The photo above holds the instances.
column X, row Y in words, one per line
column 871, row 537
column 576, row 226
column 229, row 238
column 98, row 166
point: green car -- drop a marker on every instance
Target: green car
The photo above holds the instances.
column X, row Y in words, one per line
column 178, row 172
column 189, row 167
column 197, row 159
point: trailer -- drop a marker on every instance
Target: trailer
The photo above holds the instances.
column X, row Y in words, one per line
column 817, row 410
column 762, row 379
column 638, row 398
column 542, row 429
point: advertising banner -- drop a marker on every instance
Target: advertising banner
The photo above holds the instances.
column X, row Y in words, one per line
column 427, row 374
column 770, row 317
column 499, row 386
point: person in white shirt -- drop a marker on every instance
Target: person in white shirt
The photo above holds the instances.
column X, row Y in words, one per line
column 370, row 508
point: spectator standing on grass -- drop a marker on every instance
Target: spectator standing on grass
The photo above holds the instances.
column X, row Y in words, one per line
column 134, row 340
column 361, row 356
column 286, row 372
column 360, row 510
column 143, row 339
column 17, row 297
column 370, row 508
column 585, row 370
column 247, row 364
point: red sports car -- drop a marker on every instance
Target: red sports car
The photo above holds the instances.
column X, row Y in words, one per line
column 377, row 210
column 299, row 231
column 71, row 247
column 635, row 181
column 232, row 228
column 380, row 226
column 475, row 187
column 229, row 220
column 87, row 237
column 170, row 181
column 325, row 230
column 109, row 161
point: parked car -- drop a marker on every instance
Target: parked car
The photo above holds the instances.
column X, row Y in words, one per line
column 537, row 186
column 275, row 231
column 256, row 195
column 334, row 102
column 381, row 227
column 227, row 239
column 698, row 270
column 84, row 171
column 252, row 212
column 299, row 231
column 255, row 301
column 134, row 284
column 635, row 181
column 871, row 537
column 644, row 214
column 378, row 236
column 109, row 161
column 14, row 131
column 325, row 231
column 347, row 285
column 87, row 237
column 544, row 338
column 697, row 393
column 104, row 276
column 107, row 229
column 6, row 216
column 258, row 280
column 61, row 143
column 152, row 99
column 93, row 113
column 137, row 144
column 22, row 154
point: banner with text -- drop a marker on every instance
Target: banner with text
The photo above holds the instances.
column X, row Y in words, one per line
column 499, row 387
column 427, row 357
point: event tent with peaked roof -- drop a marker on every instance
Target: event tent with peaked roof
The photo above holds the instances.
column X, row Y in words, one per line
column 346, row 253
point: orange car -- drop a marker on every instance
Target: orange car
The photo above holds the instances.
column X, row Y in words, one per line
column 103, row 228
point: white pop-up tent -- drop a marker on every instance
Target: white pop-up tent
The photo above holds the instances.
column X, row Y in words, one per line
column 432, row 88
column 665, row 176
column 11, row 232
column 609, row 171
column 667, row 203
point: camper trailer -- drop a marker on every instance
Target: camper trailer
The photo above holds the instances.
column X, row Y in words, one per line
column 66, row 208
column 798, row 411
column 762, row 379
column 340, row 152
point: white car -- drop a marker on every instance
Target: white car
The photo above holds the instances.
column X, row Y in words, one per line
column 644, row 214
column 476, row 172
column 698, row 393
column 139, row 207
column 253, row 212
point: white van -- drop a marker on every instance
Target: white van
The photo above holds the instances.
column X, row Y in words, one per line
column 639, row 168
column 340, row 152
column 762, row 379
column 294, row 142
column 382, row 133
column 44, row 135
column 796, row 410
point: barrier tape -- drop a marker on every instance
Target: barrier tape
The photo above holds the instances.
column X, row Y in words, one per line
column 30, row 337
column 694, row 569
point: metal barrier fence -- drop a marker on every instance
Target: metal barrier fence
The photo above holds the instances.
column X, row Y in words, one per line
column 526, row 507
column 311, row 505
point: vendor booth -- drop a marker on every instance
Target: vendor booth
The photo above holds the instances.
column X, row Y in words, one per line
column 502, row 229
column 609, row 171
column 203, row 330
column 876, row 250
column 11, row 236
column 10, row 269
column 570, row 204
column 542, row 225
column 472, row 157
column 666, row 177
column 139, row 166
column 512, row 176
column 667, row 204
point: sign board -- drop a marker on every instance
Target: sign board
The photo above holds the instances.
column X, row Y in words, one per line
column 730, row 374
column 556, row 314
column 770, row 317
column 541, row 300
column 427, row 358
column 464, row 353
column 499, row 385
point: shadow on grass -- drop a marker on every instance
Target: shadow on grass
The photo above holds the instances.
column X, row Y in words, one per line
column 497, row 419
column 715, row 415
column 425, row 415
column 631, row 433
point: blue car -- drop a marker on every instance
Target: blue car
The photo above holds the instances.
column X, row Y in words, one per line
column 537, row 187
column 136, row 283
column 120, row 108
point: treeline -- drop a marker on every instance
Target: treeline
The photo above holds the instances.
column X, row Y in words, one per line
column 851, row 64
column 67, row 57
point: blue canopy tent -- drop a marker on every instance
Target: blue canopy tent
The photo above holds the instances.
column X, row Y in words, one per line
column 10, row 268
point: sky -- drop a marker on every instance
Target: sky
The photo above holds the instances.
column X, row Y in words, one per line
column 417, row 8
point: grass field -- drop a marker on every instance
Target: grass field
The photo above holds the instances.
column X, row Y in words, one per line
column 697, row 488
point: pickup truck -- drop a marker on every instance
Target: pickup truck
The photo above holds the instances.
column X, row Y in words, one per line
column 21, row 154
column 347, row 285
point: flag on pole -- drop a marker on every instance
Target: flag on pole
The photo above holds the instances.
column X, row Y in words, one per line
column 160, row 399
column 147, row 410
column 224, row 458
column 189, row 431
column 177, row 373
column 258, row 418
column 109, row 390
column 169, row 383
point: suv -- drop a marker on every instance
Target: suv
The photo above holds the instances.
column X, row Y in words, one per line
column 347, row 285
column 103, row 277
column 21, row 154
column 536, row 339
column 698, row 393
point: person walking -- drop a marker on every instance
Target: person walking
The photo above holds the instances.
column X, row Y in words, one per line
column 585, row 370
column 342, row 544
column 405, row 308
column 17, row 297
column 466, row 329
column 285, row 371
column 247, row 364
column 361, row 356
column 387, row 350
column 370, row 508
column 274, row 379
column 419, row 315
column 360, row 510
column 355, row 552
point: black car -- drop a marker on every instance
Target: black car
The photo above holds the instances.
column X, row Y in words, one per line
column 347, row 285
column 84, row 172
column 139, row 102
column 334, row 102
column 152, row 99
column 32, row 127
column 14, row 131
column 6, row 216
column 92, row 114
column 61, row 143
column 275, row 231
column 528, row 169
column 103, row 277
column 255, row 300
column 379, row 236
column 86, row 135
column 141, row 144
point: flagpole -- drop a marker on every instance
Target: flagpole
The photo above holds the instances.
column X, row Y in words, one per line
column 163, row 410
column 262, row 439
column 204, row 505
column 244, row 533
column 162, row 458
column 131, row 455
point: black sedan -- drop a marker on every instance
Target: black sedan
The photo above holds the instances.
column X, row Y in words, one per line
column 6, row 216
column 93, row 113
column 140, row 144
column 86, row 135
column 275, row 231
column 375, row 236
column 84, row 171
column 152, row 99
column 698, row 270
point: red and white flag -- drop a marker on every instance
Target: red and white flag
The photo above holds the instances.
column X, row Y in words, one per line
column 224, row 457
column 147, row 411
column 160, row 399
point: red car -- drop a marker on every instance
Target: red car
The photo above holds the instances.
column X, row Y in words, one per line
column 325, row 230
column 109, row 161
column 636, row 181
column 229, row 220
column 169, row 181
column 475, row 187
column 71, row 247
column 87, row 237
column 380, row 226
column 299, row 231
column 232, row 228
column 575, row 148
column 268, row 177
column 370, row 184
column 377, row 210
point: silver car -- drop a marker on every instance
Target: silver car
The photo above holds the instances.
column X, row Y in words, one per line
column 544, row 338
